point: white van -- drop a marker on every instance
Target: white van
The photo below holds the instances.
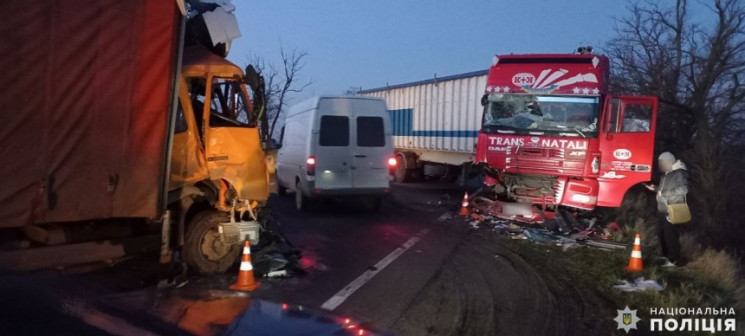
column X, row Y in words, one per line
column 336, row 146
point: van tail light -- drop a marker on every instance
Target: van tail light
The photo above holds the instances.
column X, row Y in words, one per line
column 310, row 166
column 392, row 163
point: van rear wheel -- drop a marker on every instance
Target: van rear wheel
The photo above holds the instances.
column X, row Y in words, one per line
column 301, row 202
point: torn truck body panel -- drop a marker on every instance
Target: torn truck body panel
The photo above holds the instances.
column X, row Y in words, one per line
column 232, row 155
column 86, row 76
column 188, row 162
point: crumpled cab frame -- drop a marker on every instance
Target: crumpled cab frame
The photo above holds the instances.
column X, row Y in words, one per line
column 211, row 149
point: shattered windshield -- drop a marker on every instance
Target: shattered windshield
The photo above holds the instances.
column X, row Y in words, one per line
column 534, row 113
column 229, row 107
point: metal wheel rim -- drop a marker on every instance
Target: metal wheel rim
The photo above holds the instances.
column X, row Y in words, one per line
column 212, row 247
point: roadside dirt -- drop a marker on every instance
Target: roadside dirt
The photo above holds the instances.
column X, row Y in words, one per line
column 484, row 288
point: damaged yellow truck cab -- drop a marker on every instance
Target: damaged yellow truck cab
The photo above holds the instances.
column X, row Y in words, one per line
column 216, row 134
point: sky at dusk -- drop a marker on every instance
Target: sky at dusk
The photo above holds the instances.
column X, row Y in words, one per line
column 370, row 43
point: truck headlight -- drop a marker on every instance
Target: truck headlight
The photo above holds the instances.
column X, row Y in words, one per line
column 581, row 198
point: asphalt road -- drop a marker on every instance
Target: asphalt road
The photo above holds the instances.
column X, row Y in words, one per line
column 408, row 269
column 451, row 281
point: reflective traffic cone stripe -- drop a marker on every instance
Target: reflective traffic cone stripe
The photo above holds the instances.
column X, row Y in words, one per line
column 246, row 280
column 635, row 262
column 464, row 206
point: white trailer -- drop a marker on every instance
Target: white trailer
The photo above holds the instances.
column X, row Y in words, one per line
column 435, row 124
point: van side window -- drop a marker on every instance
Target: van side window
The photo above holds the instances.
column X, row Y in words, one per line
column 334, row 131
column 370, row 132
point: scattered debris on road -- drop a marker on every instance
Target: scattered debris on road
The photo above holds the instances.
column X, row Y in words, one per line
column 566, row 230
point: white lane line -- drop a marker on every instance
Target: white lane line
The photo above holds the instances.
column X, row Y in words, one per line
column 444, row 217
column 353, row 286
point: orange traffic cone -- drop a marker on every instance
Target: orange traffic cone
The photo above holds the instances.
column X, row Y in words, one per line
column 464, row 206
column 635, row 263
column 246, row 281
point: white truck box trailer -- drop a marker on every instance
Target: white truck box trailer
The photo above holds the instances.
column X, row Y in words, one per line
column 435, row 124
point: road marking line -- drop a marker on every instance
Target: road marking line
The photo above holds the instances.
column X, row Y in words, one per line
column 443, row 217
column 344, row 294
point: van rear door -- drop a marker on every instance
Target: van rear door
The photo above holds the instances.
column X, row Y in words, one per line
column 332, row 150
column 371, row 144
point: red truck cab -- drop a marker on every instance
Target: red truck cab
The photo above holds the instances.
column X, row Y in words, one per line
column 553, row 136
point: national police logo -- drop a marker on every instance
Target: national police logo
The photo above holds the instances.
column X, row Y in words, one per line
column 627, row 319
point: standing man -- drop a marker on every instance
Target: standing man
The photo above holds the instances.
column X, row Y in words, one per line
column 672, row 190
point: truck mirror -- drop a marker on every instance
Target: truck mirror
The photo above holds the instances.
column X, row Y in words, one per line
column 484, row 100
column 252, row 77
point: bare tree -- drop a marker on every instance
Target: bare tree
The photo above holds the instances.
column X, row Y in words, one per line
column 696, row 71
column 280, row 82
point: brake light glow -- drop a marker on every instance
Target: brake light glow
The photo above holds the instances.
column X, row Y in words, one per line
column 310, row 166
column 392, row 163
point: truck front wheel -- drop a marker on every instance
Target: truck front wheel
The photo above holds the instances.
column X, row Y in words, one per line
column 204, row 250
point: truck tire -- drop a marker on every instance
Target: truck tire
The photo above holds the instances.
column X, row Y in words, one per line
column 203, row 251
column 301, row 202
column 402, row 175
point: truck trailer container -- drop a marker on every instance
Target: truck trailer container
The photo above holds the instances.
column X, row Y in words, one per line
column 435, row 124
column 118, row 120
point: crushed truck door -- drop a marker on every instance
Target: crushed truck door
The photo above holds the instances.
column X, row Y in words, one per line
column 232, row 144
column 627, row 145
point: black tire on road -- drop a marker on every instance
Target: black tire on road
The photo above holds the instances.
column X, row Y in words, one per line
column 301, row 202
column 281, row 190
column 202, row 250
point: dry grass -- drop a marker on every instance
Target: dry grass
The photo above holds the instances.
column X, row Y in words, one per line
column 711, row 279
column 645, row 227
column 719, row 270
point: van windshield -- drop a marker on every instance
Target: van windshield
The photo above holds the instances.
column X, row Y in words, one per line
column 577, row 116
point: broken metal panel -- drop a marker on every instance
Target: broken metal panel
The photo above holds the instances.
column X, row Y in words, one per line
column 222, row 24
column 235, row 155
column 188, row 163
